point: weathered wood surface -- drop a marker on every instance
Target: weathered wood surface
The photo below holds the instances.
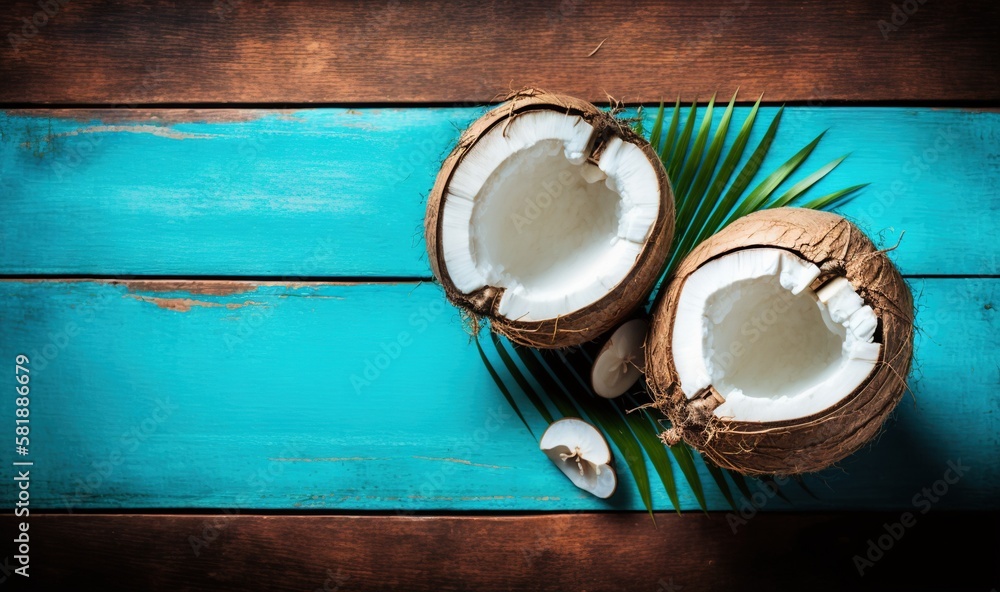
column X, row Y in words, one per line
column 371, row 397
column 139, row 51
column 935, row 551
column 341, row 192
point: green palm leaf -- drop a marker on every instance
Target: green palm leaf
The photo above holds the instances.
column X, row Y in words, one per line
column 720, row 480
column 721, row 180
column 707, row 168
column 762, row 192
column 709, row 197
column 648, row 435
column 685, row 460
column 693, row 158
column 500, row 385
column 803, row 185
column 521, row 380
column 679, row 151
column 741, row 483
column 829, row 199
column 654, row 138
column 667, row 151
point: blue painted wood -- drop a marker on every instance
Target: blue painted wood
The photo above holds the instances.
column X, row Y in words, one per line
column 340, row 192
column 370, row 396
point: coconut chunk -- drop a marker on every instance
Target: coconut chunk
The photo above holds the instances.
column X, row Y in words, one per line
column 582, row 454
column 550, row 219
column 621, row 360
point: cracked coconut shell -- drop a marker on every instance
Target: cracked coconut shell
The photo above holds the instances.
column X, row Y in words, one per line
column 804, row 444
column 616, row 302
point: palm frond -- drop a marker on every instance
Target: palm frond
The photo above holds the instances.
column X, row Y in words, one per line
column 720, row 481
column 654, row 137
column 521, row 380
column 707, row 167
column 648, row 434
column 500, row 385
column 667, row 151
column 759, row 196
column 692, row 160
column 679, row 151
column 710, row 202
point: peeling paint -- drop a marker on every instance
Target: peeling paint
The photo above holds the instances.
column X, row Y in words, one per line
column 201, row 287
column 328, row 459
column 156, row 130
column 168, row 116
column 313, row 296
column 464, row 498
column 461, row 462
column 186, row 304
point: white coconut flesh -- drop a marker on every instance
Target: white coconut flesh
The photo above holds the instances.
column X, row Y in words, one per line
column 526, row 210
column 621, row 361
column 749, row 324
column 582, row 454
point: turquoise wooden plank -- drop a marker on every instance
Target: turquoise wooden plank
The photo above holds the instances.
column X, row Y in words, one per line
column 340, row 192
column 371, row 397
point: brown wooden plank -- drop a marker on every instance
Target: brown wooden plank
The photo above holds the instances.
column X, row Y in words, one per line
column 543, row 552
column 140, row 52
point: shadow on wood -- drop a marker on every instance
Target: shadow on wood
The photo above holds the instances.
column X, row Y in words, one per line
column 540, row 552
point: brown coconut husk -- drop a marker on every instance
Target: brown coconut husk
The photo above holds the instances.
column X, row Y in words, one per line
column 585, row 324
column 807, row 444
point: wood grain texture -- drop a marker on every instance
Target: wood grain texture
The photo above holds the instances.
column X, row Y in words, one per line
column 342, row 192
column 139, row 51
column 592, row 552
column 371, row 397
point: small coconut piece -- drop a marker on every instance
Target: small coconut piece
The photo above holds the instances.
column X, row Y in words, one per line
column 582, row 454
column 551, row 218
column 781, row 344
column 621, row 361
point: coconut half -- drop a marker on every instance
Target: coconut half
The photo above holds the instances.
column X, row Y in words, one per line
column 551, row 218
column 582, row 454
column 782, row 343
column 621, row 361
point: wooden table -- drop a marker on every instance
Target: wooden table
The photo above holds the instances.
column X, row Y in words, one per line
column 244, row 377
